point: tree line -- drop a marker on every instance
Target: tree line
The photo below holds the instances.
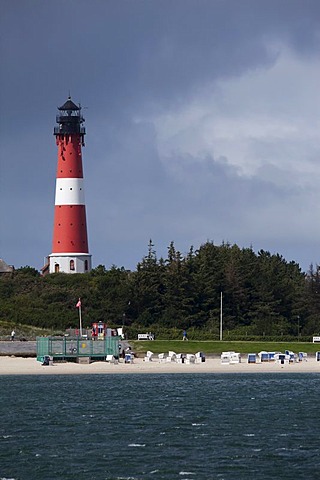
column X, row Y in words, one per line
column 262, row 294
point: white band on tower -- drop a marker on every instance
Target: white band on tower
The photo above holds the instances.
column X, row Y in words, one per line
column 69, row 191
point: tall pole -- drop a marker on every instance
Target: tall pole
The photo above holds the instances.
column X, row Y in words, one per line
column 80, row 321
column 220, row 316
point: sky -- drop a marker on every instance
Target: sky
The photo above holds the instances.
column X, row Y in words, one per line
column 202, row 120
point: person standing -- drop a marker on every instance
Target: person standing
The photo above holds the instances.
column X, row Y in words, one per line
column 13, row 334
column 184, row 336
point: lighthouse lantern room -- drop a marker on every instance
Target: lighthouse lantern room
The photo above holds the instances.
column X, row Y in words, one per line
column 70, row 251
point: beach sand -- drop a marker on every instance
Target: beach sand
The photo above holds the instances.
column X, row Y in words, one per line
column 30, row 366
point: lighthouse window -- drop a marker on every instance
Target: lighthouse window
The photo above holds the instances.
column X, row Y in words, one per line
column 86, row 265
column 71, row 264
column 70, row 188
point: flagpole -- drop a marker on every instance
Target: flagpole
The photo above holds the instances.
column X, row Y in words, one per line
column 80, row 321
column 221, row 316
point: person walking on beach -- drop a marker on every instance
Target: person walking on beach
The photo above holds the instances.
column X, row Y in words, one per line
column 13, row 333
column 184, row 336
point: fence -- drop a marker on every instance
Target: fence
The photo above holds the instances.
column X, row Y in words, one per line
column 70, row 348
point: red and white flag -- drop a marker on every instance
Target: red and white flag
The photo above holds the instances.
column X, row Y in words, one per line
column 78, row 304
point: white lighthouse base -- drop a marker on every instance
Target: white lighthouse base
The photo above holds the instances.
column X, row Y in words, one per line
column 69, row 263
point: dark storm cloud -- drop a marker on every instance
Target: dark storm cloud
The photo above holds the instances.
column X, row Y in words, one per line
column 139, row 50
column 128, row 62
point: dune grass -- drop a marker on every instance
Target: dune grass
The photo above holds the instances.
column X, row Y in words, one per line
column 28, row 332
column 216, row 347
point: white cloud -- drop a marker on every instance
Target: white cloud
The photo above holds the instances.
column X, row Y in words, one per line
column 243, row 156
column 265, row 123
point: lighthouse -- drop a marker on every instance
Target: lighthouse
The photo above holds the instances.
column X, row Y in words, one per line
column 70, row 250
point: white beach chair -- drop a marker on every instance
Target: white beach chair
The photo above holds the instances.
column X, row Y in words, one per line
column 281, row 358
column 235, row 358
column 171, row 357
column 111, row 359
column 161, row 357
column 199, row 357
column 190, row 358
column 225, row 358
column 179, row 358
column 148, row 357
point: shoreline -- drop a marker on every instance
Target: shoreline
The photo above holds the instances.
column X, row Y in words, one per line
column 30, row 366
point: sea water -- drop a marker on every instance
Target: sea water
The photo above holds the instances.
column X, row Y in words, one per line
column 163, row 426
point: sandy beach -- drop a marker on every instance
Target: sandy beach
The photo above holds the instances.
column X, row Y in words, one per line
column 30, row 366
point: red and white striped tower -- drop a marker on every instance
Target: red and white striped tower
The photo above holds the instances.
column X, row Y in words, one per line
column 70, row 252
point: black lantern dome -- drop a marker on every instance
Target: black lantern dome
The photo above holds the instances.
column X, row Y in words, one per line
column 69, row 119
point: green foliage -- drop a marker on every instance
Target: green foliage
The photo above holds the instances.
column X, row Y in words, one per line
column 263, row 295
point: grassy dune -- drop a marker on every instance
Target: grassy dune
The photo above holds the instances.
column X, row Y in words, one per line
column 27, row 332
column 215, row 348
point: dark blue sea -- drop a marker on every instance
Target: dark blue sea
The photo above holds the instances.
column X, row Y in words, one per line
column 172, row 427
